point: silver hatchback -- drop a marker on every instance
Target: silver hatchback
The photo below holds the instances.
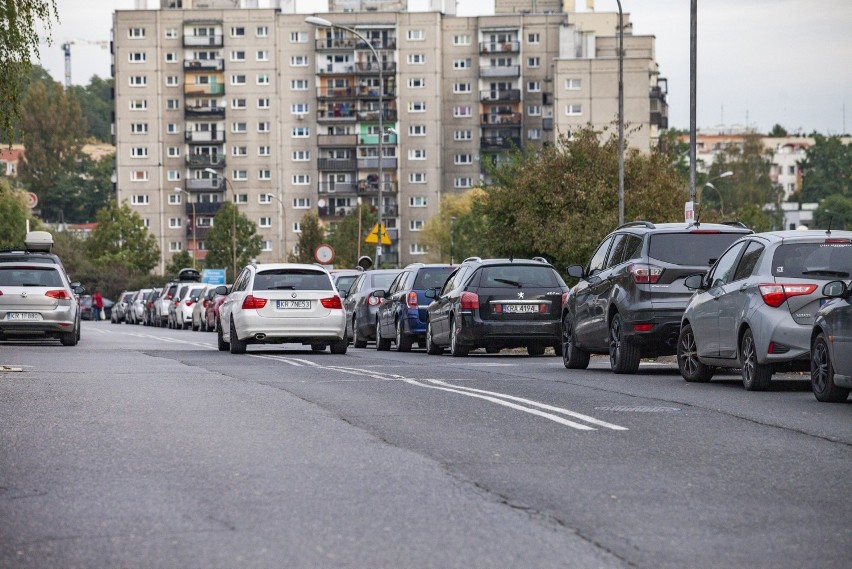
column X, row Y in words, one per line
column 756, row 307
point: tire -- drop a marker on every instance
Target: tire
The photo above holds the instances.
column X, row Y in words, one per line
column 456, row 349
column 220, row 340
column 339, row 347
column 492, row 349
column 623, row 356
column 431, row 347
column 382, row 344
column 535, row 350
column 68, row 338
column 688, row 363
column 403, row 342
column 822, row 374
column 572, row 356
column 237, row 346
column 756, row 377
column 318, row 347
column 357, row 340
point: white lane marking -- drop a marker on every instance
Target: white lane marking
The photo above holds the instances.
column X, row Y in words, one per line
column 277, row 359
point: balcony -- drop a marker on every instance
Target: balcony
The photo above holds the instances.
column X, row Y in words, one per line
column 200, row 136
column 338, row 188
column 500, row 119
column 203, row 184
column 373, row 163
column 337, row 140
column 337, row 113
column 203, row 65
column 500, row 71
column 200, row 233
column 203, row 41
column 326, row 44
column 504, row 96
column 372, row 68
column 337, row 165
column 193, row 90
column 500, row 47
column 205, row 160
column 487, row 143
column 377, row 43
column 373, row 139
column 371, row 186
column 204, row 208
column 336, row 93
column 373, row 116
column 203, row 112
column 373, row 93
column 328, row 211
column 336, row 69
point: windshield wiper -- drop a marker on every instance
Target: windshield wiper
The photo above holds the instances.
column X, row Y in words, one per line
column 828, row 272
column 508, row 282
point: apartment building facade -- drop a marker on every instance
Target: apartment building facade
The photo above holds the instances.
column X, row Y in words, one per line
column 215, row 102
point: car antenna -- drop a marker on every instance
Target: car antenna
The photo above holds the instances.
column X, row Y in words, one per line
column 828, row 231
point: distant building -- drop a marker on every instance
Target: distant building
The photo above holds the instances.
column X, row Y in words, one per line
column 10, row 158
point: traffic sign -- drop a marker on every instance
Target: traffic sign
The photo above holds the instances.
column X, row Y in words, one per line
column 32, row 200
column 324, row 254
column 213, row 276
column 373, row 236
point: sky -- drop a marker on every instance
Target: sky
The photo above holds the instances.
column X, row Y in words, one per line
column 760, row 62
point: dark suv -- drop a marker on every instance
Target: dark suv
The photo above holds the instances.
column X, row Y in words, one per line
column 401, row 314
column 631, row 295
column 496, row 304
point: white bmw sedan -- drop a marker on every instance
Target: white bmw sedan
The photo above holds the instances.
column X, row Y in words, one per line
column 280, row 303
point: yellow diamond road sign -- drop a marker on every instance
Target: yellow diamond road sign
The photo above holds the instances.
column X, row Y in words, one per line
column 373, row 236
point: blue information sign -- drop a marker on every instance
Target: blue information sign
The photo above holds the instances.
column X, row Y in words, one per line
column 213, row 276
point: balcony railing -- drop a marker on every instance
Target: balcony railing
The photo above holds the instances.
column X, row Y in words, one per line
column 372, row 67
column 336, row 69
column 337, row 113
column 373, row 116
column 373, row 163
column 335, row 43
column 210, row 41
column 373, row 139
column 205, row 160
column 500, row 47
column 202, row 184
column 328, row 211
column 503, row 96
column 191, row 89
column 203, row 65
column 337, row 188
column 204, row 208
column 499, row 142
column 336, row 92
column 337, row 140
column 337, row 165
column 199, row 112
column 500, row 119
column 500, row 71
column 367, row 187
column 389, row 43
column 193, row 136
column 373, row 92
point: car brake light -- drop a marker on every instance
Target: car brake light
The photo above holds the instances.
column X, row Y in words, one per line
column 411, row 299
column 838, row 241
column 58, row 294
column 645, row 274
column 564, row 298
column 705, row 231
column 643, row 327
column 373, row 300
column 189, row 302
column 470, row 301
column 254, row 302
column 542, row 309
column 206, row 303
column 332, row 303
column 774, row 295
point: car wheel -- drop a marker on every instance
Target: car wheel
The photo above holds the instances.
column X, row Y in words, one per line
column 456, row 349
column 756, row 377
column 822, row 374
column 535, row 350
column 690, row 366
column 572, row 356
column 623, row 356
column 431, row 347
column 68, row 338
column 492, row 349
column 339, row 347
column 357, row 340
column 317, row 347
column 403, row 342
column 237, row 346
column 382, row 344
column 220, row 339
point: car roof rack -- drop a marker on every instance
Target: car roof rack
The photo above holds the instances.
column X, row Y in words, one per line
column 541, row 260
column 472, row 259
column 646, row 224
column 735, row 224
column 414, row 265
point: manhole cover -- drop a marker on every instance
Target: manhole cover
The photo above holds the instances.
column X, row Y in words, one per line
column 626, row 409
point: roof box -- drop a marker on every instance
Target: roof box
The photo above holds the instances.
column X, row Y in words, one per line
column 38, row 241
column 189, row 275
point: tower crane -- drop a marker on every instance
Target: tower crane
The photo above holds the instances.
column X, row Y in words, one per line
column 66, row 49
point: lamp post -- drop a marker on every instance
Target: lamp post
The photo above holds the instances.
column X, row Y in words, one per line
column 709, row 184
column 323, row 23
column 233, row 221
column 452, row 239
column 281, row 240
column 194, row 240
column 620, row 116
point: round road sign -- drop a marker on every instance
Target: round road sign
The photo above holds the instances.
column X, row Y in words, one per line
column 32, row 200
column 324, row 254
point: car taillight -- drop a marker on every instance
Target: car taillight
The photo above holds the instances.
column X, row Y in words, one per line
column 643, row 327
column 254, row 302
column 564, row 298
column 469, row 301
column 206, row 303
column 411, row 299
column 58, row 294
column 774, row 295
column 332, row 303
column 189, row 302
column 373, row 300
column 168, row 297
column 838, row 241
column 645, row 274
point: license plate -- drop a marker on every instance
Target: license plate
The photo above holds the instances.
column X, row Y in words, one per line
column 520, row 308
column 288, row 304
column 23, row 316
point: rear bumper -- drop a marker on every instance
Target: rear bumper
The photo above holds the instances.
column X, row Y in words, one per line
column 661, row 339
column 477, row 332
column 297, row 330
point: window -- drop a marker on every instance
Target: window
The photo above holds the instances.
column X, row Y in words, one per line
column 171, row 33
column 171, row 57
column 573, row 84
column 301, row 155
column 462, row 111
column 534, row 110
column 301, row 132
column 300, row 108
column 462, row 182
column 417, row 154
column 239, row 175
column 172, row 128
column 417, row 177
column 533, row 38
column 723, row 272
column 298, row 37
column 262, row 55
column 533, row 62
column 461, row 63
column 416, row 35
column 415, row 224
column 264, row 174
column 238, row 79
column 174, row 222
column 416, row 83
column 417, row 201
column 175, row 246
column 301, row 203
column 238, row 55
column 417, row 130
column 265, row 221
column 171, row 80
column 596, row 264
column 138, row 105
column 462, row 39
column 264, row 150
column 173, row 104
column 136, row 57
column 574, row 109
column 263, row 103
column 238, row 103
column 138, row 80
column 416, row 58
column 262, row 31
column 136, row 33
column 299, row 85
column 533, row 87
column 204, row 222
column 463, row 159
column 461, row 88
column 239, row 150
column 139, row 199
column 263, row 126
column 263, row 79
column 534, row 134
column 174, row 151
column 239, row 127
column 139, row 128
column 418, row 249
column 301, row 179
column 297, row 228
column 238, row 32
column 264, row 198
column 298, row 61
column 174, row 199
column 416, row 107
column 463, row 135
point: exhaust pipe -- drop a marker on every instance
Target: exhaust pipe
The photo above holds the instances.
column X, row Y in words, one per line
column 260, row 336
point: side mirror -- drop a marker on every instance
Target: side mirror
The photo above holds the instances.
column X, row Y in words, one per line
column 379, row 293
column 834, row 289
column 694, row 282
column 222, row 290
column 431, row 293
column 575, row 271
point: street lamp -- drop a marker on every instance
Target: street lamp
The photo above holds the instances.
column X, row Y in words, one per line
column 620, row 116
column 452, row 239
column 281, row 240
column 194, row 240
column 709, row 184
column 323, row 23
column 233, row 221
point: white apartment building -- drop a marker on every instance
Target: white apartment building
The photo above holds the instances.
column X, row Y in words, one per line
column 220, row 99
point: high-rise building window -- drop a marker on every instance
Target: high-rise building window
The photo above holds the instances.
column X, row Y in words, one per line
column 573, row 109
column 416, row 58
column 136, row 33
column 238, row 31
column 573, row 84
column 416, row 35
column 461, row 39
column 262, row 55
column 238, row 55
column 265, row 221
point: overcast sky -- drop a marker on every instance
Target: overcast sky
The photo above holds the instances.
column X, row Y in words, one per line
column 760, row 62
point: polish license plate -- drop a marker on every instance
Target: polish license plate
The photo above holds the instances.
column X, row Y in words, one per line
column 288, row 304
column 23, row 316
column 520, row 308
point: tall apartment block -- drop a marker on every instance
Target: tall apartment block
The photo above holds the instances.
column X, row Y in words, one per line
column 220, row 101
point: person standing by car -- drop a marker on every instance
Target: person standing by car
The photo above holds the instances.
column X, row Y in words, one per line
column 97, row 305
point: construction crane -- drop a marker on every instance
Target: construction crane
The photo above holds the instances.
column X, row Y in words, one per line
column 66, row 49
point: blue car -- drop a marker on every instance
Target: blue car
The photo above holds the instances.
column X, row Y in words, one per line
column 401, row 315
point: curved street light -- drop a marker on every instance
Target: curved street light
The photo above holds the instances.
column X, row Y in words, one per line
column 709, row 184
column 283, row 224
column 194, row 223
column 233, row 221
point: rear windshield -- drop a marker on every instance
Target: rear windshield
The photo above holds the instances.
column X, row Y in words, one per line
column 383, row 281
column 822, row 261
column 432, row 278
column 292, row 279
column 693, row 249
column 343, row 283
column 515, row 276
column 30, row 276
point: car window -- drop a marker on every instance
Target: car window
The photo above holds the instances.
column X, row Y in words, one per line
column 596, row 264
column 292, row 279
column 516, row 276
column 242, row 280
column 822, row 261
column 623, row 248
column 694, row 248
column 30, row 276
column 196, row 292
column 723, row 272
column 432, row 277
column 382, row 281
column 397, row 283
column 749, row 260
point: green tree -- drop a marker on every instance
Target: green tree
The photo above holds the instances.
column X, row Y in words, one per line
column 835, row 210
column 778, row 131
column 221, row 239
column 179, row 261
column 23, row 24
column 13, row 215
column 312, row 236
column 96, row 104
column 447, row 234
column 826, row 169
column 121, row 241
column 345, row 236
column 676, row 148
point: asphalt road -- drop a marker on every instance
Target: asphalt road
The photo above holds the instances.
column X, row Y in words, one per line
column 147, row 447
